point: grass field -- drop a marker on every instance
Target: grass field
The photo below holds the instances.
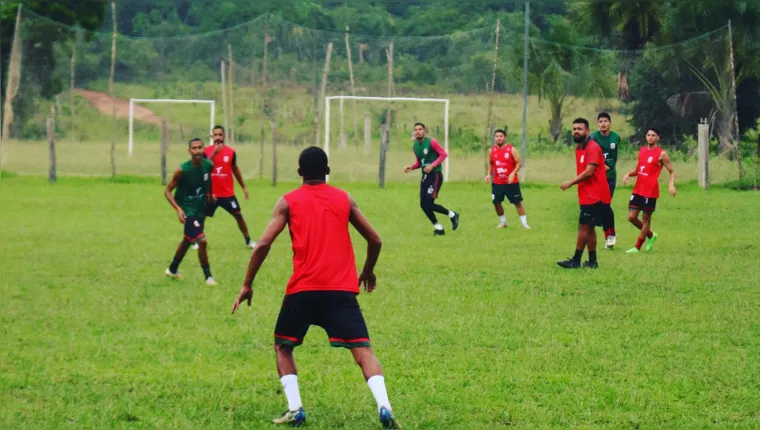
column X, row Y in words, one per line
column 476, row 329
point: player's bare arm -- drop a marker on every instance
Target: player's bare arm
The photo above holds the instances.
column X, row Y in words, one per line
column 263, row 245
column 665, row 160
column 518, row 165
column 374, row 244
column 589, row 172
column 170, row 197
column 634, row 172
column 239, row 177
column 490, row 172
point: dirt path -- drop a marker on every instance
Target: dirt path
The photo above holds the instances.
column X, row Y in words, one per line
column 102, row 103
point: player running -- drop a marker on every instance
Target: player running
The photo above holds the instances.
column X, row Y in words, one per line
column 192, row 179
column 647, row 189
column 503, row 168
column 323, row 287
column 222, row 186
column 430, row 156
column 593, row 194
column 609, row 141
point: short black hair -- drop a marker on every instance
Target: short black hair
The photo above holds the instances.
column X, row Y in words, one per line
column 603, row 115
column 657, row 132
column 419, row 123
column 312, row 163
column 583, row 121
column 218, row 127
column 195, row 139
column 500, row 131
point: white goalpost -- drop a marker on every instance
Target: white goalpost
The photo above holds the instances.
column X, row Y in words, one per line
column 132, row 102
column 408, row 99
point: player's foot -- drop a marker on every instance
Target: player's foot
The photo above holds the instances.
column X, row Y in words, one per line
column 211, row 282
column 502, row 225
column 610, row 242
column 526, row 226
column 455, row 221
column 437, row 232
column 169, row 274
column 590, row 265
column 251, row 244
column 650, row 242
column 294, row 418
column 569, row 264
column 387, row 419
column 195, row 246
column 633, row 250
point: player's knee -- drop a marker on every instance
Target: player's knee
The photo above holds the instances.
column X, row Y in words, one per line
column 281, row 349
column 632, row 217
column 202, row 242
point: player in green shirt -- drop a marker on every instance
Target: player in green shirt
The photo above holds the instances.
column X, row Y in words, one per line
column 610, row 142
column 192, row 181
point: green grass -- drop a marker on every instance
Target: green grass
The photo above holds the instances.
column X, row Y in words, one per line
column 474, row 329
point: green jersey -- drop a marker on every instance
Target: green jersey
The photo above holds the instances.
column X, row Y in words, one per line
column 609, row 144
column 426, row 154
column 193, row 187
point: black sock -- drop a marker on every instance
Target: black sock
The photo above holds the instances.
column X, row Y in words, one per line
column 206, row 270
column 175, row 265
column 247, row 239
column 592, row 257
column 577, row 256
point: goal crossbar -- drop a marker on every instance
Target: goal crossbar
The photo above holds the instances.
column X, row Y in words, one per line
column 132, row 102
column 394, row 99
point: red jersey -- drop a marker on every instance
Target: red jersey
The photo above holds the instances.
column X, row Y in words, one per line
column 222, row 181
column 594, row 189
column 648, row 172
column 323, row 257
column 502, row 165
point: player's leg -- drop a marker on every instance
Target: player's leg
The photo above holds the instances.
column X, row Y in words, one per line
column 651, row 237
column 497, row 197
column 609, row 220
column 179, row 254
column 515, row 197
column 203, row 258
column 585, row 221
column 232, row 206
column 600, row 211
column 427, row 202
column 633, row 218
column 438, row 177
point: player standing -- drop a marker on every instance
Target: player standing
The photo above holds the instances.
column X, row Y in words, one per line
column 609, row 141
column 647, row 189
column 192, row 180
column 430, row 155
column 503, row 168
column 223, row 186
column 322, row 290
column 593, row 194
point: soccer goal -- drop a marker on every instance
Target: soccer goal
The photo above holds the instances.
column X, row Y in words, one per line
column 445, row 103
column 132, row 102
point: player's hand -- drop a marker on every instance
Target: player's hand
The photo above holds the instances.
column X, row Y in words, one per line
column 565, row 185
column 487, row 179
column 246, row 294
column 247, row 195
column 368, row 280
column 606, row 167
column 511, row 177
column 428, row 169
column 181, row 215
column 408, row 169
column 625, row 179
column 672, row 190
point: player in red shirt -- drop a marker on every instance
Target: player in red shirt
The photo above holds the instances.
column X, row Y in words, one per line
column 323, row 287
column 223, row 186
column 593, row 194
column 652, row 158
column 503, row 168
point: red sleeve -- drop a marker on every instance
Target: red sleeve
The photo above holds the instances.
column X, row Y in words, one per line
column 440, row 151
column 594, row 155
column 416, row 164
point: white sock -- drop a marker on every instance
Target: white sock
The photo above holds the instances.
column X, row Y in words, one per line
column 438, row 227
column 290, row 387
column 524, row 219
column 377, row 386
column 503, row 219
column 452, row 214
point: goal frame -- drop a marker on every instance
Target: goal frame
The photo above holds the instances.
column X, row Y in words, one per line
column 446, row 103
column 132, row 102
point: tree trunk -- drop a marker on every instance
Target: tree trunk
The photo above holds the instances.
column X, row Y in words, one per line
column 14, row 77
column 112, row 91
column 555, row 123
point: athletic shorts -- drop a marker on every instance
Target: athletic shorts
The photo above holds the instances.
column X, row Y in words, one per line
column 230, row 204
column 641, row 203
column 510, row 191
column 431, row 185
column 593, row 215
column 193, row 228
column 337, row 312
column 612, row 183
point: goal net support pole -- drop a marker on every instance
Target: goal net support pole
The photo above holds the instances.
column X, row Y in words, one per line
column 404, row 99
column 212, row 104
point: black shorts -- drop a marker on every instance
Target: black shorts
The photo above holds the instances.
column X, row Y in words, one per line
column 641, row 203
column 510, row 191
column 593, row 215
column 337, row 312
column 193, row 228
column 230, row 204
column 430, row 185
